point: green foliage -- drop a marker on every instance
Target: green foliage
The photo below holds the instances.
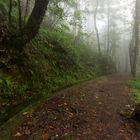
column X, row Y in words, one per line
column 3, row 9
column 6, row 87
column 56, row 10
column 10, row 89
column 135, row 86
column 137, row 97
column 59, row 62
column 77, row 14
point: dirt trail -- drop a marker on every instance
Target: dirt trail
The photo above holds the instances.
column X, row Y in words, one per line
column 95, row 110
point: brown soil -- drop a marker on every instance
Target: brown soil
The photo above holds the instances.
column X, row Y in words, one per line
column 95, row 110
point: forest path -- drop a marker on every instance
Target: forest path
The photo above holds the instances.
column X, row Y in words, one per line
column 94, row 110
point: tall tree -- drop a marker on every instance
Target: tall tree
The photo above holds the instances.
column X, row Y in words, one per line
column 96, row 28
column 136, row 51
column 108, row 26
column 31, row 28
column 136, row 38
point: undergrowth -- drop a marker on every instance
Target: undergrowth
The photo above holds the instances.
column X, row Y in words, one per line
column 135, row 86
column 51, row 61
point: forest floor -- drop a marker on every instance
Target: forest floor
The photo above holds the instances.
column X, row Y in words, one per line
column 95, row 110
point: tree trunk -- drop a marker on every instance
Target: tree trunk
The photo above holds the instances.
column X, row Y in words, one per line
column 137, row 43
column 108, row 27
column 19, row 15
column 136, row 51
column 10, row 12
column 30, row 30
column 96, row 28
column 26, row 10
column 131, row 51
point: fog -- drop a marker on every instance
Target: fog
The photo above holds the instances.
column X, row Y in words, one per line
column 114, row 19
column 121, row 24
column 120, row 27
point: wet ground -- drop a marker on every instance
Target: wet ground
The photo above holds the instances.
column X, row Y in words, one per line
column 95, row 110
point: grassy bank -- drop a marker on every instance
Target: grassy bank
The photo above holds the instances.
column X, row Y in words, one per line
column 135, row 86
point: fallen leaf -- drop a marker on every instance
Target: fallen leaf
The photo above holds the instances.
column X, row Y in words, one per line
column 18, row 134
column 24, row 113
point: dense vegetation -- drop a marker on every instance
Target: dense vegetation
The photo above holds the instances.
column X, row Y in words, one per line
column 51, row 61
column 135, row 87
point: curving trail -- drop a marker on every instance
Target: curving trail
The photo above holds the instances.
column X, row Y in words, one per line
column 95, row 110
